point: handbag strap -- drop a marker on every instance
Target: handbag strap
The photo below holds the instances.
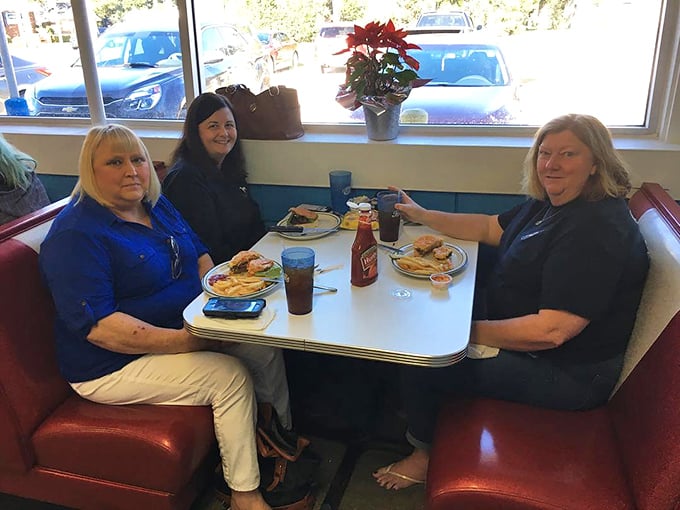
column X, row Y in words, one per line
column 273, row 440
column 267, row 446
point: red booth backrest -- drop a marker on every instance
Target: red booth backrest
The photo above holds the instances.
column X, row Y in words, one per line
column 645, row 410
column 24, row 342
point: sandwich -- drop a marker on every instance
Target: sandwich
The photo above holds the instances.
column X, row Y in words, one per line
column 426, row 243
column 442, row 252
column 301, row 216
column 239, row 262
column 259, row 265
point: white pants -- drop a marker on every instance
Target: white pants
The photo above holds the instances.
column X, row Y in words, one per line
column 268, row 368
column 194, row 378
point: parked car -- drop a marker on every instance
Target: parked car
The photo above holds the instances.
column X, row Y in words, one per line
column 140, row 71
column 282, row 49
column 331, row 39
column 447, row 19
column 26, row 73
column 470, row 82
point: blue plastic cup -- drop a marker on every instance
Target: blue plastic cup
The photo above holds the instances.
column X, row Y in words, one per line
column 16, row 107
column 341, row 187
column 298, row 275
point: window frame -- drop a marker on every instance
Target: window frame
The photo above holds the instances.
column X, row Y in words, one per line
column 662, row 124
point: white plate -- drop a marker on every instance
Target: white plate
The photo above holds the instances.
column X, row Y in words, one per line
column 276, row 271
column 325, row 220
column 458, row 258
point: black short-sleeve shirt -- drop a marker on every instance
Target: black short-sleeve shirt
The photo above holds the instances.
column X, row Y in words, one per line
column 219, row 210
column 587, row 258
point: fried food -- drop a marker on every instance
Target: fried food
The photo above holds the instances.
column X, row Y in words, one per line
column 302, row 216
column 239, row 278
column 421, row 265
column 350, row 221
column 237, row 285
column 426, row 243
column 442, row 252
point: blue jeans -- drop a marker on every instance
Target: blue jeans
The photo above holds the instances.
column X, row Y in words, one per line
column 513, row 376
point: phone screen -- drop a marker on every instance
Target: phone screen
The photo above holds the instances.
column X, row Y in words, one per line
column 233, row 308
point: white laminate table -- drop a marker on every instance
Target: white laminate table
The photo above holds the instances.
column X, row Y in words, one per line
column 429, row 328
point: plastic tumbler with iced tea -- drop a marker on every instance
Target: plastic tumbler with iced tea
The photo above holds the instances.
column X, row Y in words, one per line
column 298, row 275
column 389, row 218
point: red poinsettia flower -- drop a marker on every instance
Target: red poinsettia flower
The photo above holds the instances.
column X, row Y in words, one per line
column 379, row 65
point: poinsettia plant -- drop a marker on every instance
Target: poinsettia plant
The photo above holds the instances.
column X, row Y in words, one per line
column 380, row 72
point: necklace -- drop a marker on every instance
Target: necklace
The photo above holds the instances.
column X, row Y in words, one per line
column 549, row 213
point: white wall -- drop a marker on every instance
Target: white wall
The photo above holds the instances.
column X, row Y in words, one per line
column 446, row 163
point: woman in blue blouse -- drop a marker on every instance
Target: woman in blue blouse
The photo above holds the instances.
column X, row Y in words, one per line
column 122, row 265
column 561, row 300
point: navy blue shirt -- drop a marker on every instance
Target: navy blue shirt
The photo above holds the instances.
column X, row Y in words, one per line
column 96, row 264
column 218, row 207
column 587, row 258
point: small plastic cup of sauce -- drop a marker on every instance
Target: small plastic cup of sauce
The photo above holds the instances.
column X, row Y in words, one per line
column 440, row 280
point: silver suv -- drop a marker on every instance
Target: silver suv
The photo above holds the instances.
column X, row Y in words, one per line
column 447, row 19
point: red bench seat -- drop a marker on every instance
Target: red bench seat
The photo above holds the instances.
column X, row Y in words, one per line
column 490, row 454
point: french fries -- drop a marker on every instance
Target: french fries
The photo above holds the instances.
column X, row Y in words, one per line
column 421, row 265
column 238, row 285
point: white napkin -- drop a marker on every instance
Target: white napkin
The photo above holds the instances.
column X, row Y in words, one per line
column 256, row 324
column 477, row 351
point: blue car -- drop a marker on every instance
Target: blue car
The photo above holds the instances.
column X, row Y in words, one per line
column 140, row 73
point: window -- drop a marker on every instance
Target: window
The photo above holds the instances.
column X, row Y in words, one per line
column 595, row 56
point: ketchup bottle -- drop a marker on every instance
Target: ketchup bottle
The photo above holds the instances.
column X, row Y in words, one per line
column 364, row 250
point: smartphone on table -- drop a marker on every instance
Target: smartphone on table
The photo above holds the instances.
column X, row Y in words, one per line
column 228, row 308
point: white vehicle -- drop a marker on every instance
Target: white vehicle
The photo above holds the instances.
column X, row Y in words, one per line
column 448, row 20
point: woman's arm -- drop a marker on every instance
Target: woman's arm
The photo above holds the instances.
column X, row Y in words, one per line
column 120, row 332
column 483, row 228
column 545, row 330
column 205, row 264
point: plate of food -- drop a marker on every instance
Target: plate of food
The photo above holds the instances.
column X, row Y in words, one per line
column 301, row 217
column 247, row 275
column 350, row 220
column 427, row 255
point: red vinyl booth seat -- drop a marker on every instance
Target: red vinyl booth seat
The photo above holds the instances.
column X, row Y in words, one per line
column 489, row 454
column 56, row 446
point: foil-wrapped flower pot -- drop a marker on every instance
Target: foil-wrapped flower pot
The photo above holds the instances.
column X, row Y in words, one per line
column 383, row 125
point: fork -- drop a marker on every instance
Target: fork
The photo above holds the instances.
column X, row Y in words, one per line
column 316, row 286
column 321, row 270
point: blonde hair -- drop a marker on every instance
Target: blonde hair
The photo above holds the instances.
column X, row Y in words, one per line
column 612, row 175
column 123, row 139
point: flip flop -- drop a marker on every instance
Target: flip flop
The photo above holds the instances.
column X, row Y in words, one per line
column 388, row 471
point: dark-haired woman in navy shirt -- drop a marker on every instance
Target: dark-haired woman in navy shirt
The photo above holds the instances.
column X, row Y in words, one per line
column 207, row 180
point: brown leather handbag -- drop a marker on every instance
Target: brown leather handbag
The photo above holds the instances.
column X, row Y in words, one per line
column 288, row 467
column 273, row 114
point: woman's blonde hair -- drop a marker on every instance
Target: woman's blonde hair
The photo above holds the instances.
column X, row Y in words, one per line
column 123, row 139
column 612, row 176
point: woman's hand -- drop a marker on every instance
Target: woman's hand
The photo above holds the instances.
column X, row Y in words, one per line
column 408, row 207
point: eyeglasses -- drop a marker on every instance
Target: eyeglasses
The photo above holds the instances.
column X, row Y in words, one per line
column 175, row 260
